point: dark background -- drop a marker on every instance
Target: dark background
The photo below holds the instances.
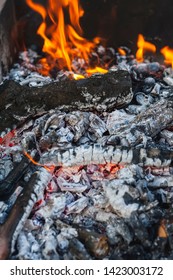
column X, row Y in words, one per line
column 119, row 21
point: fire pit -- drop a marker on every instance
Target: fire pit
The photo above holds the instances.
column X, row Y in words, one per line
column 86, row 144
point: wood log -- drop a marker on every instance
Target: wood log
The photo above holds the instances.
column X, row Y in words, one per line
column 99, row 92
column 21, row 210
column 7, row 42
column 103, row 154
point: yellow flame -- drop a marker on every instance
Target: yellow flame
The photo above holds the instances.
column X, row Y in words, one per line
column 143, row 46
column 78, row 76
column 168, row 55
column 96, row 70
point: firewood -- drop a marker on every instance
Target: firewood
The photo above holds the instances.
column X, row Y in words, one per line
column 21, row 210
column 99, row 92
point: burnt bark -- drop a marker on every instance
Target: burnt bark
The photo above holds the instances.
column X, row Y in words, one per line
column 97, row 92
column 21, row 210
column 7, row 40
column 18, row 210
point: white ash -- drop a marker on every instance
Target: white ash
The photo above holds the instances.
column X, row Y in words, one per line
column 115, row 191
column 161, row 182
column 72, row 187
column 24, row 76
column 117, row 229
column 168, row 136
column 6, row 165
column 117, row 119
column 77, row 206
column 49, row 247
column 54, row 207
column 98, row 198
column 6, row 206
column 102, row 216
column 27, row 246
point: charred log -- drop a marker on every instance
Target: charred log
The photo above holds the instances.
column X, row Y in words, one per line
column 21, row 210
column 8, row 185
column 7, row 42
column 99, row 154
column 97, row 92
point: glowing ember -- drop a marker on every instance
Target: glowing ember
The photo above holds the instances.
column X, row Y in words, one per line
column 143, row 46
column 63, row 39
column 121, row 51
column 168, row 55
column 6, row 140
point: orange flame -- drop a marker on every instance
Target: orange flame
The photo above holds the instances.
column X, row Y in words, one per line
column 162, row 232
column 168, row 55
column 143, row 46
column 121, row 51
column 50, row 168
column 63, row 39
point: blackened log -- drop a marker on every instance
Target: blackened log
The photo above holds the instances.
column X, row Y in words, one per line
column 7, row 35
column 100, row 92
column 20, row 211
column 8, row 185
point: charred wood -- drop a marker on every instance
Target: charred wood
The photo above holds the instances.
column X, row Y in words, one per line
column 100, row 154
column 97, row 92
column 95, row 243
column 21, row 210
column 7, row 186
column 146, row 125
column 7, row 42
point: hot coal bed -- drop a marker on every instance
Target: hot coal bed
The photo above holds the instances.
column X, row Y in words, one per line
column 86, row 168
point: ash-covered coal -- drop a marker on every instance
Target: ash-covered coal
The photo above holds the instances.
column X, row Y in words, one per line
column 107, row 214
column 107, row 190
column 118, row 205
column 29, row 71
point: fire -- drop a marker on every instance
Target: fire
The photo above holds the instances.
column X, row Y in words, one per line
column 121, row 51
column 97, row 70
column 78, row 76
column 162, row 232
column 168, row 55
column 63, row 40
column 48, row 168
column 143, row 46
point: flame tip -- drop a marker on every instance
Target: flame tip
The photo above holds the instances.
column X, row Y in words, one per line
column 143, row 46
